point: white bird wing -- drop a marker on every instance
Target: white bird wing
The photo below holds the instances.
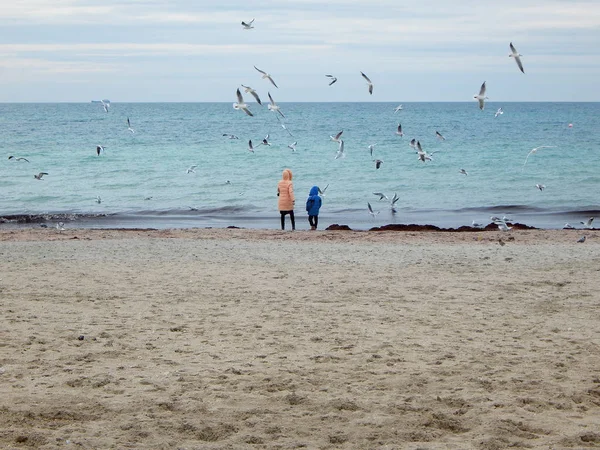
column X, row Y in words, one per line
column 482, row 90
column 239, row 96
column 519, row 63
column 271, row 99
column 513, row 49
column 322, row 191
column 337, row 136
column 366, row 78
column 256, row 97
column 264, row 73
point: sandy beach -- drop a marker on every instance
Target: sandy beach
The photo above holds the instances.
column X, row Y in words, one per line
column 232, row 338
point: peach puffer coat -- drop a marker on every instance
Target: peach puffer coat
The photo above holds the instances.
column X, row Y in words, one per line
column 285, row 190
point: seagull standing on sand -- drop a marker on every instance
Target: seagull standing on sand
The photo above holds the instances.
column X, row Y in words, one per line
column 399, row 130
column 248, row 26
column 333, row 79
column 373, row 213
column 40, row 175
column 340, row 153
column 129, row 126
column 241, row 104
column 252, row 92
column 581, row 240
column 481, row 96
column 588, row 223
column 517, row 56
column 535, row 151
column 368, row 82
column 267, row 76
column 336, row 138
column 498, row 113
column 273, row 106
column 20, row 158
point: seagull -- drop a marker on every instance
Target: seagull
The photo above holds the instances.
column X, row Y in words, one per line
column 481, row 96
column 413, row 143
column 397, row 108
column 240, row 103
column 60, row 226
column 284, row 127
column 381, row 195
column 535, row 150
column 439, row 136
column 371, row 148
column 369, row 82
column 517, row 56
column 499, row 112
column 267, row 76
column 422, row 155
column 333, row 79
column 98, row 199
column 340, row 153
column 293, row 146
column 588, row 223
column 129, row 126
column 506, row 219
column 230, row 136
column 265, row 141
column 250, row 147
column 20, row 158
column 252, row 92
column 568, row 226
column 476, row 225
column 399, row 130
column 191, row 169
column 581, row 240
column 373, row 213
column 248, row 26
column 378, row 163
column 99, row 148
column 336, row 138
column 541, row 187
column 105, row 105
column 393, row 202
column 40, row 175
column 463, row 171
column 322, row 191
column 273, row 106
column 502, row 226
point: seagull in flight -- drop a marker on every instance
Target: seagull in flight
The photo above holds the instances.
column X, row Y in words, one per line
column 20, row 158
column 192, row 169
column 105, row 105
column 373, row 213
column 230, row 136
column 267, row 76
column 463, row 171
column 439, row 136
column 535, row 151
column 498, row 113
column 40, row 175
column 413, row 143
column 60, row 227
column 588, row 223
column 399, row 130
column 333, row 79
column 248, row 26
column 340, row 153
column 378, row 163
column 98, row 199
column 371, row 148
column 129, row 126
column 252, row 92
column 265, row 141
column 273, row 106
column 517, row 56
column 541, row 187
column 284, row 127
column 481, row 96
column 99, row 148
column 368, row 82
column 336, row 138
column 393, row 203
column 502, row 226
column 293, row 146
column 322, row 191
column 422, row 154
column 381, row 195
column 397, row 108
column 568, row 226
column 250, row 146
column 241, row 104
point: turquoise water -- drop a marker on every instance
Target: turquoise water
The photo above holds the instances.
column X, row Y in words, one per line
column 142, row 181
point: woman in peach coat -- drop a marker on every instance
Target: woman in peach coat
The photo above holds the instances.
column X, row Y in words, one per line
column 285, row 192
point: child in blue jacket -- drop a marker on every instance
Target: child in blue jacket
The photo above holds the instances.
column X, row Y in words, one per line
column 313, row 204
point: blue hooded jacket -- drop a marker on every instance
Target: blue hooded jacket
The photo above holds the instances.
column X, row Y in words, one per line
column 313, row 204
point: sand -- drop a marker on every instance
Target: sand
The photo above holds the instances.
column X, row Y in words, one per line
column 226, row 339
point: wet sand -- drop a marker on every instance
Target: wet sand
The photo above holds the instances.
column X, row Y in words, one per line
column 228, row 338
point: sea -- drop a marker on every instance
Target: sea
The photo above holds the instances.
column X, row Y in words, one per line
column 142, row 179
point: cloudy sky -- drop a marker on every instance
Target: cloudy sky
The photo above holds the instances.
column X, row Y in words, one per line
column 197, row 51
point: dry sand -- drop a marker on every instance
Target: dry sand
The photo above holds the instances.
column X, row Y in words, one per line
column 226, row 339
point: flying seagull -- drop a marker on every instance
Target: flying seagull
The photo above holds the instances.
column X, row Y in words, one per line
column 250, row 147
column 481, row 96
column 336, row 138
column 267, row 76
column 499, row 112
column 129, row 126
column 413, row 143
column 378, row 163
column 517, row 56
column 381, row 195
column 40, row 175
column 322, row 191
column 463, row 171
column 397, row 108
column 293, row 146
column 99, row 148
column 20, row 158
column 422, row 154
column 541, row 187
column 399, row 130
column 273, row 106
column 60, row 227
column 333, row 79
column 340, row 153
column 98, row 199
column 105, row 105
column 252, row 92
column 373, row 213
column 230, row 136
column 588, row 223
column 191, row 169
column 248, row 26
column 535, row 150
column 393, row 202
column 241, row 104
column 371, row 148
column 439, row 136
column 368, row 82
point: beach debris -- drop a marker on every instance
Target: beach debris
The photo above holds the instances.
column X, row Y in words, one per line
column 368, row 82
column 481, row 96
column 501, row 242
column 332, row 78
column 517, row 56
column 81, row 337
column 267, row 76
column 40, row 175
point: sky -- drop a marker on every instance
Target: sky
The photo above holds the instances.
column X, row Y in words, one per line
column 198, row 51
